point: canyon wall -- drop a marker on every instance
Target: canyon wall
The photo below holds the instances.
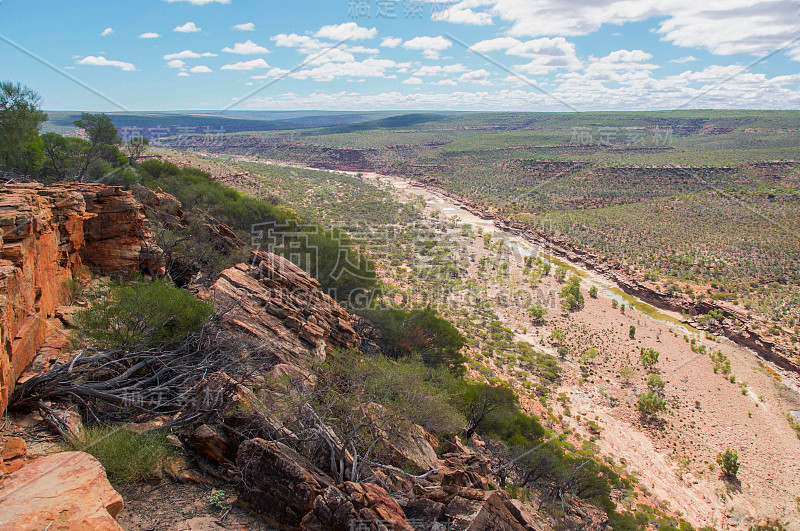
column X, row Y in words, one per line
column 48, row 233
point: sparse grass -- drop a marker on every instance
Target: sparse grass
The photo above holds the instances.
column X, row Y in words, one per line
column 128, row 457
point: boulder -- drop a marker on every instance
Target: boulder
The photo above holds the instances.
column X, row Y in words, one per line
column 355, row 506
column 280, row 305
column 277, row 482
column 480, row 514
column 67, row 490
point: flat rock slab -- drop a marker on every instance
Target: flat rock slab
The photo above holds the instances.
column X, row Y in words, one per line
column 67, row 490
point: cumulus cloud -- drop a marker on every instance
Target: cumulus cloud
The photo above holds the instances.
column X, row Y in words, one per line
column 91, row 60
column 479, row 77
column 149, row 35
column 246, row 65
column 391, row 42
column 412, row 81
column 431, row 47
column 200, row 69
column 345, row 31
column 247, row 26
column 368, row 68
column 189, row 27
column 183, row 74
column 687, row 59
column 176, row 63
column 106, row 32
column 245, row 48
column 462, row 13
column 436, row 70
column 187, row 54
column 724, row 28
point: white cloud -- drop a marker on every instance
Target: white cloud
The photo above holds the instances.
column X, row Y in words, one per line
column 461, row 13
column 200, row 69
column 187, row 54
column 436, row 70
column 331, row 55
column 106, row 32
column 102, row 61
column 446, row 82
column 724, row 27
column 247, row 26
column 201, row 2
column 493, row 45
column 347, row 30
column 189, row 27
column 149, row 35
column 430, row 46
column 176, row 63
column 687, row 59
column 412, row 81
column 273, row 72
column 391, row 42
column 245, row 48
column 183, row 74
column 479, row 77
column 368, row 68
column 246, row 65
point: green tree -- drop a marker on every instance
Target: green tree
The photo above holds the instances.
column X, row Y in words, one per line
column 135, row 147
column 632, row 332
column 480, row 402
column 729, row 462
column 649, row 357
column 571, row 293
column 561, row 273
column 656, row 384
column 593, row 292
column 650, row 403
column 103, row 142
column 64, row 156
column 537, row 312
column 20, row 118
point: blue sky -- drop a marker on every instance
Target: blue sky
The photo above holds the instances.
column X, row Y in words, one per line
column 546, row 55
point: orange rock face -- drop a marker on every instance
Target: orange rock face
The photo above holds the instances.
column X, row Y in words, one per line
column 47, row 233
column 67, row 490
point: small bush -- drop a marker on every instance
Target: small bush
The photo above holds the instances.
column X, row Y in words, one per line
column 143, row 314
column 128, row 457
column 729, row 462
column 649, row 357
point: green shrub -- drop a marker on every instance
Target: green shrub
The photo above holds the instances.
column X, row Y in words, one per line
column 649, row 357
column 128, row 457
column 650, row 403
column 729, row 462
column 419, row 332
column 593, row 292
column 143, row 314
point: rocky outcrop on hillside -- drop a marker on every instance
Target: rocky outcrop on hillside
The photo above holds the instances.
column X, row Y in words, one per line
column 67, row 490
column 48, row 232
column 277, row 303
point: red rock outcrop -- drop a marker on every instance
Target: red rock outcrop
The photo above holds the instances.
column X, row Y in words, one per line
column 276, row 302
column 67, row 490
column 48, row 232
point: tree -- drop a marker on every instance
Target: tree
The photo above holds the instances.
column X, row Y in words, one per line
column 135, row 148
column 729, row 462
column 632, row 332
column 64, row 156
column 20, row 118
column 573, row 298
column 656, row 384
column 537, row 312
column 649, row 357
column 650, row 403
column 103, row 141
column 561, row 273
column 480, row 401
column 593, row 292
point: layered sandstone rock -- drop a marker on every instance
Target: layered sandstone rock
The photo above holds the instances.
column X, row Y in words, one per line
column 48, row 232
column 68, row 490
column 274, row 301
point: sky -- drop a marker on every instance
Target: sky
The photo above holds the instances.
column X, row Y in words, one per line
column 523, row 55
